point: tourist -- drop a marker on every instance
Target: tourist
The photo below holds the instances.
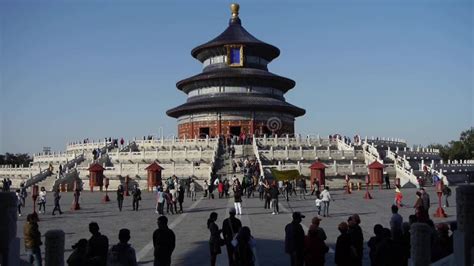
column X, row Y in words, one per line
column 160, row 200
column 387, row 181
column 302, row 188
column 206, row 188
column 274, row 192
column 319, row 230
column 169, row 201
column 18, row 201
column 315, row 187
column 342, row 256
column 396, row 223
column 318, row 203
column 447, row 194
column 294, row 240
column 419, row 201
column 164, row 242
column 230, row 228
column 314, row 247
column 357, row 238
column 57, row 197
column 426, row 200
column 23, row 194
column 78, row 255
column 261, row 190
column 266, row 194
column 120, row 193
column 220, row 189
column 443, row 241
column 136, row 197
column 398, row 197
column 326, row 198
column 215, row 240
column 288, row 190
column 374, row 242
column 388, row 251
column 122, row 254
column 97, row 247
column 192, row 188
column 32, row 238
column 238, row 198
column 281, row 187
column 42, row 200
column 405, row 241
column 243, row 245
column 180, row 197
column 226, row 187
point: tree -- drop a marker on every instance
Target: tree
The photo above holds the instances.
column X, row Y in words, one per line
column 462, row 149
column 22, row 159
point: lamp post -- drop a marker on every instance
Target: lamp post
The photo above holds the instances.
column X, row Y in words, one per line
column 439, row 190
column 106, row 183
column 367, row 193
column 34, row 196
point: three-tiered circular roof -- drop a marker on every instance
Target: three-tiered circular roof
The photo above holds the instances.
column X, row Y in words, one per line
column 245, row 75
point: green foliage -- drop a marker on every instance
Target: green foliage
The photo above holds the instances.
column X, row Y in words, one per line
column 285, row 174
column 22, row 159
column 462, row 149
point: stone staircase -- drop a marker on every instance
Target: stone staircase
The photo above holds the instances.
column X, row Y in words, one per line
column 224, row 161
column 50, row 180
column 403, row 169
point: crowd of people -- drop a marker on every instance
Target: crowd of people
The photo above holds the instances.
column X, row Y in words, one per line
column 389, row 245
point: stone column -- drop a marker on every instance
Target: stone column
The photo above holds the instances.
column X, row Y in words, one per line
column 420, row 244
column 465, row 220
column 9, row 243
column 54, row 248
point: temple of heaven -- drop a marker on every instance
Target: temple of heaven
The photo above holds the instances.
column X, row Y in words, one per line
column 235, row 93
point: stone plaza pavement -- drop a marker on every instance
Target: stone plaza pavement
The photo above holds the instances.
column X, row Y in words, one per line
column 190, row 227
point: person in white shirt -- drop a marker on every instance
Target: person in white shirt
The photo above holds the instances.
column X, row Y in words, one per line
column 318, row 202
column 42, row 200
column 192, row 188
column 325, row 198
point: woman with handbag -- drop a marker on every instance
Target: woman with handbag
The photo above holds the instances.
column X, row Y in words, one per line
column 215, row 241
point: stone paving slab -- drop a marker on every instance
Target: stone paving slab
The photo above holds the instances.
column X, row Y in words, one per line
column 193, row 235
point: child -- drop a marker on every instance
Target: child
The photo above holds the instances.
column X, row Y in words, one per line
column 318, row 202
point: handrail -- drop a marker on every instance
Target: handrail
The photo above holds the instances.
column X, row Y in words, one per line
column 341, row 145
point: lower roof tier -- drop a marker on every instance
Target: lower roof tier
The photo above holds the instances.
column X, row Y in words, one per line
column 237, row 102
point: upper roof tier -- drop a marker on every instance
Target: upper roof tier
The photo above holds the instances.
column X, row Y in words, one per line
column 236, row 34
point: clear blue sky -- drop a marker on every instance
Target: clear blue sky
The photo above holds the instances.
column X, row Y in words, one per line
column 76, row 69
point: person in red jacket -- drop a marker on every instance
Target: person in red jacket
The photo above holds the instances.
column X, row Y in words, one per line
column 220, row 189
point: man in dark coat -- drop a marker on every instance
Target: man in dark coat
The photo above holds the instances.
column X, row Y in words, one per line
column 57, row 197
column 342, row 256
column 294, row 240
column 357, row 238
column 164, row 241
column 426, row 200
column 97, row 247
column 230, row 228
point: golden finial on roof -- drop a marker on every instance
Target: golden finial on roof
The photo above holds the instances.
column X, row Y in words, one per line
column 234, row 7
